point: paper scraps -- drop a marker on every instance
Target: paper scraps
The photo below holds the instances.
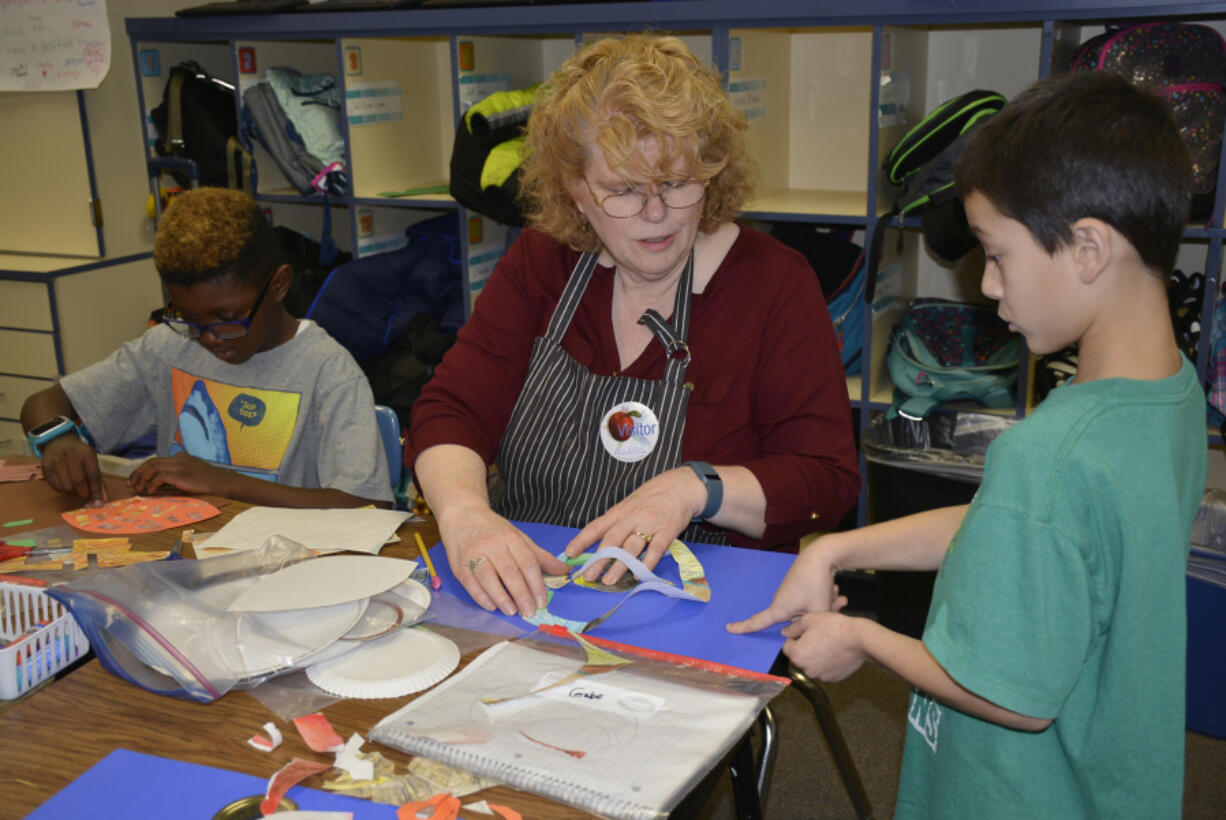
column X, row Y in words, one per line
column 288, row 776
column 108, row 552
column 19, row 472
column 442, row 807
column 266, row 744
column 350, row 760
column 138, row 514
column 483, row 807
column 318, row 733
column 423, row 778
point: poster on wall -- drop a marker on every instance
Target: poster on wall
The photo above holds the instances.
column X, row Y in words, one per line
column 53, row 45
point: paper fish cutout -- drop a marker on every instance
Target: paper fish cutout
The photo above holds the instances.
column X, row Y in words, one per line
column 138, row 514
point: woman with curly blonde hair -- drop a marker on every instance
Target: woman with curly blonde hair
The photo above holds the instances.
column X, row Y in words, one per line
column 633, row 336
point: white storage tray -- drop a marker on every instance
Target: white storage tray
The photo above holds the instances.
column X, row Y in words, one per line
column 57, row 642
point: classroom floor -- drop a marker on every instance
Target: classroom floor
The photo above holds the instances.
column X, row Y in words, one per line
column 871, row 706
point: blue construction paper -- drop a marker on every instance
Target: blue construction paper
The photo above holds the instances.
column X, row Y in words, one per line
column 127, row 785
column 742, row 582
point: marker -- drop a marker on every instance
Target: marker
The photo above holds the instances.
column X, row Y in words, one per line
column 435, row 581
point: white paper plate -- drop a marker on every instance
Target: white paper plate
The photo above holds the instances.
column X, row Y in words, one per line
column 323, row 582
column 406, row 661
column 269, row 641
column 387, row 611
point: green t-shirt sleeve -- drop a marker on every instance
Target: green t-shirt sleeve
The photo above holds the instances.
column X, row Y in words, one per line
column 1012, row 617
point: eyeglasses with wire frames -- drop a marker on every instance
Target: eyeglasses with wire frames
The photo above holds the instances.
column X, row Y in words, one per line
column 675, row 194
column 226, row 329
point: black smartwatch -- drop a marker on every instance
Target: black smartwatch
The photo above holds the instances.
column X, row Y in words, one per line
column 49, row 430
column 715, row 488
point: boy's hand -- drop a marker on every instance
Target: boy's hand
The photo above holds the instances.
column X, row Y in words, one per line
column 181, row 471
column 71, row 466
column 825, row 645
column 808, row 587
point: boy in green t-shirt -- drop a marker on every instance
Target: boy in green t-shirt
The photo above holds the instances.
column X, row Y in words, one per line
column 1050, row 678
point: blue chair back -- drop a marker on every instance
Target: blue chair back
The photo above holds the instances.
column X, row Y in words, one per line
column 389, row 430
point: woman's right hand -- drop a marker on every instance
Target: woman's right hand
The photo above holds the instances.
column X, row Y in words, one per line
column 71, row 466
column 498, row 565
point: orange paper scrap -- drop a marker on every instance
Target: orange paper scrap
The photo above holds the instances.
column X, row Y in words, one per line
column 318, row 733
column 444, row 806
column 138, row 514
column 288, row 776
column 266, row 744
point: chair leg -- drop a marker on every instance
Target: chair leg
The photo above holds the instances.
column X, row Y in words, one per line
column 744, row 787
column 766, row 757
column 835, row 742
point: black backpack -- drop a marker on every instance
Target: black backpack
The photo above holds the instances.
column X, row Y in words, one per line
column 922, row 166
column 197, row 120
column 1184, row 64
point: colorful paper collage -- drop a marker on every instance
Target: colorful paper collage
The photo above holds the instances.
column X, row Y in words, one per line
column 138, row 515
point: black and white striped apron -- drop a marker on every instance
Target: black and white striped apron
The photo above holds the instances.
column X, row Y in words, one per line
column 553, row 465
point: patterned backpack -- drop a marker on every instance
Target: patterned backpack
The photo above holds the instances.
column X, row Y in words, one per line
column 1184, row 63
column 945, row 351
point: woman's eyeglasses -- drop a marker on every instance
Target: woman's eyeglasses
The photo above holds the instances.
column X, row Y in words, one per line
column 227, row 329
column 676, row 194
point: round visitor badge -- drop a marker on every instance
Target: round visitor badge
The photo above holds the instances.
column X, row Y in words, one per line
column 629, row 431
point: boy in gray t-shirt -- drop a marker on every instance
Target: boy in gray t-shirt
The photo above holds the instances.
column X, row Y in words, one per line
column 247, row 401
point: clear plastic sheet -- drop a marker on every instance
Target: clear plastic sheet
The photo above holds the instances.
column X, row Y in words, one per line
column 951, row 445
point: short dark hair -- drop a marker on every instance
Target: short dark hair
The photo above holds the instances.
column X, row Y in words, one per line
column 212, row 233
column 1085, row 144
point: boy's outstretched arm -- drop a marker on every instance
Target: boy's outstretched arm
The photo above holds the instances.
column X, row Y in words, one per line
column 70, row 465
column 917, row 542
column 829, row 646
column 193, row 475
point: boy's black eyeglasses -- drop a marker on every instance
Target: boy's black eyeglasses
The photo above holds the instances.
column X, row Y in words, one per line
column 227, row 329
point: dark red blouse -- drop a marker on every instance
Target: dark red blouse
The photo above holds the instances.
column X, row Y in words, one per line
column 769, row 390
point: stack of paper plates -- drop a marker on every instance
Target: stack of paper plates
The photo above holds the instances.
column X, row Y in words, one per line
column 406, row 661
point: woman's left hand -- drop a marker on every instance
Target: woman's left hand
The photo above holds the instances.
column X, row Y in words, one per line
column 644, row 523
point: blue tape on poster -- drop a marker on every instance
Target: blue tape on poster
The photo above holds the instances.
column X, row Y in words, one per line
column 742, row 582
column 127, row 785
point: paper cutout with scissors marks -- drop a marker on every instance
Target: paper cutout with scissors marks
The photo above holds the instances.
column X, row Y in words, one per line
column 694, row 586
column 140, row 514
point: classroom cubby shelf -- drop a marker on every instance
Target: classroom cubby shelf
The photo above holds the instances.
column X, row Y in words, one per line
column 828, row 88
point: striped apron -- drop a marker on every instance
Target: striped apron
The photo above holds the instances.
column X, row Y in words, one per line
column 555, row 468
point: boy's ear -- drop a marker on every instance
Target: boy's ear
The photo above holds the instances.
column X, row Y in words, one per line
column 1092, row 248
column 281, row 279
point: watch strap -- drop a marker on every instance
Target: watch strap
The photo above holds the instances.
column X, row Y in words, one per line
column 65, row 426
column 715, row 488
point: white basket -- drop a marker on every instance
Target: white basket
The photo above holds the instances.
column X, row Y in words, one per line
column 57, row 642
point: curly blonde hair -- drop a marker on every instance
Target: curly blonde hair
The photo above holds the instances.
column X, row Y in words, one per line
column 210, row 233
column 620, row 90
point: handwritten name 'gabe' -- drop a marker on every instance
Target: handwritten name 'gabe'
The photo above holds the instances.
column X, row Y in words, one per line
column 586, row 694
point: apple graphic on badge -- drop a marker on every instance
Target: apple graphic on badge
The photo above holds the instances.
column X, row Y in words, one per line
column 621, row 424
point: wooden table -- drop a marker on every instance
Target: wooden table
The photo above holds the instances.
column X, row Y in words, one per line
column 51, row 736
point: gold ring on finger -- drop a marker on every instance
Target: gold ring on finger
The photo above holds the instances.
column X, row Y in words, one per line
column 646, row 538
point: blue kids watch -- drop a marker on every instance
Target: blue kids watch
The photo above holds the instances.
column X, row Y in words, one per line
column 49, row 430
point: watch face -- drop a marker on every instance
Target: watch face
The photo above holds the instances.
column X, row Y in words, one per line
column 48, row 426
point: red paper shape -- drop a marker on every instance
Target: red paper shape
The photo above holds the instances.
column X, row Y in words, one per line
column 318, row 733
column 289, row 775
column 140, row 514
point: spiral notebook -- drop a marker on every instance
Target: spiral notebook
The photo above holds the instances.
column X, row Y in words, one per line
column 624, row 734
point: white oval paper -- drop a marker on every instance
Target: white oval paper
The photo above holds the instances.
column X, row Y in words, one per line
column 324, row 581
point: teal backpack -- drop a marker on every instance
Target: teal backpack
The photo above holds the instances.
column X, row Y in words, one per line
column 946, row 351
